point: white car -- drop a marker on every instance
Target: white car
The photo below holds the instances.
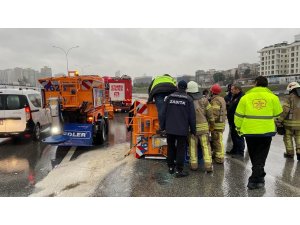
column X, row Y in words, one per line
column 22, row 113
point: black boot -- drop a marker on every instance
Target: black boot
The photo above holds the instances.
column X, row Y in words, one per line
column 289, row 156
column 171, row 169
column 252, row 185
column 181, row 173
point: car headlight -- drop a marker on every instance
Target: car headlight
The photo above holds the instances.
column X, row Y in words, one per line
column 55, row 130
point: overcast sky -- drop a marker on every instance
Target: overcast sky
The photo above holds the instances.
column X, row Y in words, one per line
column 136, row 51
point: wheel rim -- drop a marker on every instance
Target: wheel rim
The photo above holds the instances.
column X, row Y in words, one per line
column 37, row 132
column 104, row 133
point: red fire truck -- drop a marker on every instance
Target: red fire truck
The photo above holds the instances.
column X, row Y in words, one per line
column 118, row 92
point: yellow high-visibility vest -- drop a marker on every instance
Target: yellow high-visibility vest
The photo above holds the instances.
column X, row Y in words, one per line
column 256, row 111
column 163, row 79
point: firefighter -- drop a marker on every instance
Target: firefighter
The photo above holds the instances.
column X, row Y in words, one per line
column 160, row 87
column 219, row 111
column 204, row 115
column 290, row 119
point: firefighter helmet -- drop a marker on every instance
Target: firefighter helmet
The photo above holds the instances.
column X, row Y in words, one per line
column 216, row 89
column 292, row 86
column 192, row 87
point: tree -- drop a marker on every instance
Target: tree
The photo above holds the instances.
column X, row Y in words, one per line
column 229, row 80
column 219, row 77
column 247, row 73
column 236, row 75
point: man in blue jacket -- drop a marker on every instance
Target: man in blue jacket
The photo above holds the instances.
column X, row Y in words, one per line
column 178, row 117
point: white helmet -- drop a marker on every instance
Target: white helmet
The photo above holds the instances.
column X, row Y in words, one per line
column 292, row 86
column 192, row 87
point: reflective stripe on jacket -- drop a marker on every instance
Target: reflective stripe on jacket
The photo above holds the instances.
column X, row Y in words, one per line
column 204, row 115
column 161, row 84
column 256, row 111
column 291, row 112
column 218, row 105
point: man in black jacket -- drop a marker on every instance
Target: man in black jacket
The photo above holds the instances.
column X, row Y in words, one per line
column 237, row 141
column 178, row 117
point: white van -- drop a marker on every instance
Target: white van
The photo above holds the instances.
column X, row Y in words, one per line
column 22, row 113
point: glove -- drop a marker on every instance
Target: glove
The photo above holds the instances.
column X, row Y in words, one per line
column 281, row 130
column 278, row 123
column 280, row 127
column 238, row 131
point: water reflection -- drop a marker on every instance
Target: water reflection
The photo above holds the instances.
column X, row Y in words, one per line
column 18, row 166
column 290, row 178
column 117, row 130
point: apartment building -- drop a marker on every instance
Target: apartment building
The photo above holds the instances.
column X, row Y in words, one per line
column 203, row 78
column 46, row 71
column 281, row 62
column 23, row 76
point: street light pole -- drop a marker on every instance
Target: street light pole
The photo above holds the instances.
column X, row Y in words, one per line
column 66, row 54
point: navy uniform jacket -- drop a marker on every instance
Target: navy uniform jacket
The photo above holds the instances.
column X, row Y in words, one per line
column 179, row 114
column 232, row 107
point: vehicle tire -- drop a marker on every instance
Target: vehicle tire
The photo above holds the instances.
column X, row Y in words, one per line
column 37, row 132
column 106, row 126
column 103, row 133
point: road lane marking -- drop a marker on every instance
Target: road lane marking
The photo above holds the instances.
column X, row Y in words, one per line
column 69, row 155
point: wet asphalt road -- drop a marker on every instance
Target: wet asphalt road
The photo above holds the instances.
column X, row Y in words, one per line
column 151, row 178
column 22, row 164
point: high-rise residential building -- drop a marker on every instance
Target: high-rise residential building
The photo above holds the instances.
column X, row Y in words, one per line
column 202, row 77
column 230, row 72
column 246, row 70
column 22, row 76
column 30, row 76
column 46, row 71
column 281, row 59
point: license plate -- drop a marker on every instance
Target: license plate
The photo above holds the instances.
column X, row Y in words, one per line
column 1, row 122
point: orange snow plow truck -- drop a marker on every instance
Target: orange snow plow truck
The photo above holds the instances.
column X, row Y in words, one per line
column 143, row 124
column 81, row 101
